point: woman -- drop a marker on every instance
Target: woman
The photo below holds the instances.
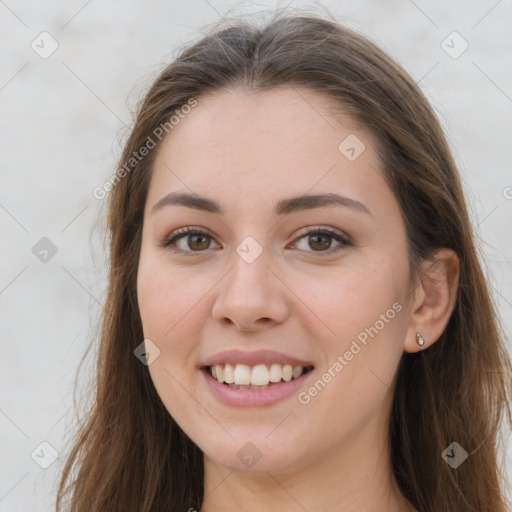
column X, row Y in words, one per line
column 296, row 317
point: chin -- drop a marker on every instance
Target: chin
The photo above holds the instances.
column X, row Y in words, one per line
column 249, row 459
column 255, row 454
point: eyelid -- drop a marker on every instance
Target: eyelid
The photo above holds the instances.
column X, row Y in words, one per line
column 343, row 239
column 182, row 233
column 316, row 228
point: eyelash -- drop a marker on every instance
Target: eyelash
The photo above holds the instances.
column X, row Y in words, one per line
column 189, row 230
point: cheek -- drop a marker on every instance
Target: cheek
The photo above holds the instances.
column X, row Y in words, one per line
column 166, row 298
column 168, row 306
column 360, row 323
column 352, row 299
column 364, row 310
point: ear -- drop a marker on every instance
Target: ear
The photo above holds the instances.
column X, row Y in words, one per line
column 433, row 299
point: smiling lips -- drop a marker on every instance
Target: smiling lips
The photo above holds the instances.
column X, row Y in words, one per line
column 254, row 370
column 243, row 376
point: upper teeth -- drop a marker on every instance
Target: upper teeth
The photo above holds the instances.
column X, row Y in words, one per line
column 259, row 375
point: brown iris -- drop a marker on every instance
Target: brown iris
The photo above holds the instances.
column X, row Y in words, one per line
column 326, row 242
column 203, row 245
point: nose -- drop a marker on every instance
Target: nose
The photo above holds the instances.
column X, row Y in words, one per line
column 252, row 296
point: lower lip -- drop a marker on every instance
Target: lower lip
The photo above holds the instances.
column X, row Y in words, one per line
column 254, row 397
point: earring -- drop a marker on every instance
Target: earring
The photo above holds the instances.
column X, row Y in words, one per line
column 419, row 339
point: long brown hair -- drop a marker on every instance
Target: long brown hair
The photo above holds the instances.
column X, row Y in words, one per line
column 130, row 454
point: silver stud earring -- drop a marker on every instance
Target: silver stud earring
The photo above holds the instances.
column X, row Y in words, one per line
column 419, row 339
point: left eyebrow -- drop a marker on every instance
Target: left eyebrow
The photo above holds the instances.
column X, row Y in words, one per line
column 283, row 207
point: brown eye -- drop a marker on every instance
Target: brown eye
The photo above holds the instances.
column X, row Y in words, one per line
column 188, row 239
column 198, row 241
column 321, row 240
column 192, row 240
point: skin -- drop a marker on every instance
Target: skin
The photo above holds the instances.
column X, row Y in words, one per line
column 247, row 151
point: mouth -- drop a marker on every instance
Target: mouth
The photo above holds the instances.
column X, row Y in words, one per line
column 255, row 377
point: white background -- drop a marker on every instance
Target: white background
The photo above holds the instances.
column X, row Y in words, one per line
column 62, row 121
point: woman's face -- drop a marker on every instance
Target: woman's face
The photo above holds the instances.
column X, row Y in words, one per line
column 297, row 262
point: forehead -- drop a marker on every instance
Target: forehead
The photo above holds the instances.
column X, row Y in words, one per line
column 239, row 145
